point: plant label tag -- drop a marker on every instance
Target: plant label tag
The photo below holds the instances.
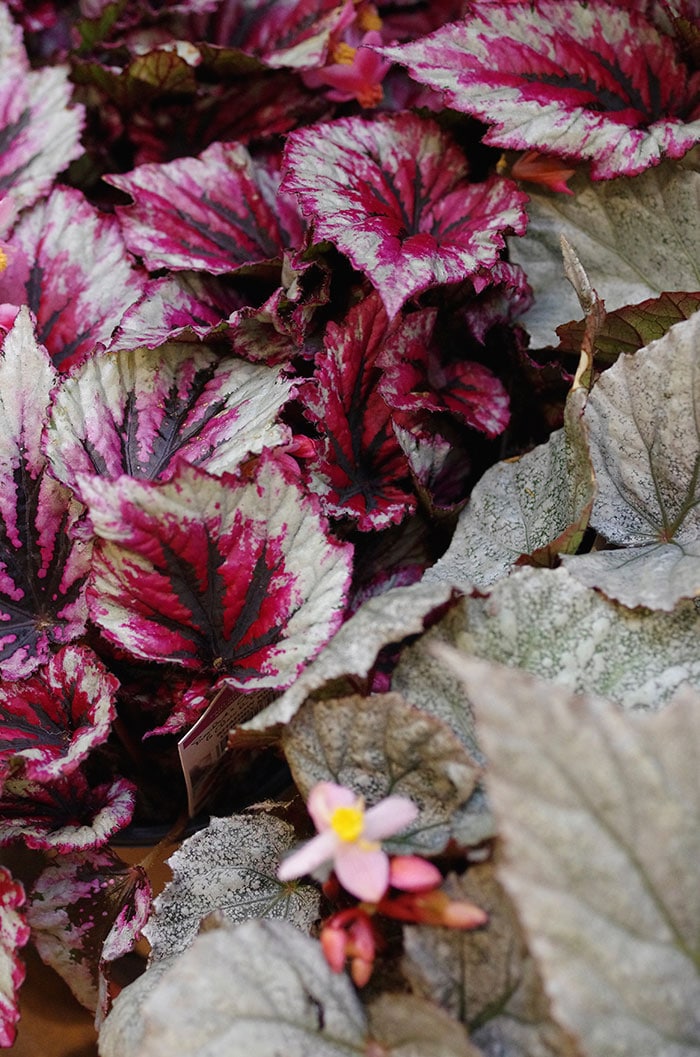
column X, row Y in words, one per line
column 204, row 744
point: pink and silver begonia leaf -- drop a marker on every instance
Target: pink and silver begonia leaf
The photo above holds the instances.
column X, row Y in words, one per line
column 465, row 389
column 276, row 330
column 393, row 194
column 74, row 906
column 39, row 129
column 50, row 721
column 139, row 412
column 178, row 307
column 65, row 815
column 76, row 274
column 215, row 213
column 232, row 576
column 591, row 81
column 359, row 470
column 14, row 933
column 43, row 568
column 415, row 379
column 501, row 302
column 280, row 33
column 440, row 469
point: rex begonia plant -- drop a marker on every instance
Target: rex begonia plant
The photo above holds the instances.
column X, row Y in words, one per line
column 349, row 447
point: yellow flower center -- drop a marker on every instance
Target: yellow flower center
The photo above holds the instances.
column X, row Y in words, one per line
column 368, row 18
column 348, row 822
column 3, row 260
column 343, row 53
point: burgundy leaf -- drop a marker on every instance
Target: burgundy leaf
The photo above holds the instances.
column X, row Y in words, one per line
column 76, row 904
column 14, row 933
column 359, row 471
column 232, row 576
column 393, row 194
column 42, row 568
column 66, row 815
column 595, row 81
column 140, row 412
column 217, row 212
column 74, row 273
column 501, row 302
column 50, row 721
column 630, row 328
column 276, row 330
column 415, row 379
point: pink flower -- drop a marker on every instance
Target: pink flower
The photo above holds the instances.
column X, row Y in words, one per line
column 356, row 72
column 349, row 837
column 349, row 935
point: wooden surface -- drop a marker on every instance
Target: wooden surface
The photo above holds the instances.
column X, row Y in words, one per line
column 52, row 1024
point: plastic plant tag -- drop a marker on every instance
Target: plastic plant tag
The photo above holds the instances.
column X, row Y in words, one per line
column 202, row 747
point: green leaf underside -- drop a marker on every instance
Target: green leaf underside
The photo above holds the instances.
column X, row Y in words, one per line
column 230, row 866
column 381, row 746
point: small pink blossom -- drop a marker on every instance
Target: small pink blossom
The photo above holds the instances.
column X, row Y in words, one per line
column 350, row 838
column 350, row 936
column 356, row 72
column 410, row 873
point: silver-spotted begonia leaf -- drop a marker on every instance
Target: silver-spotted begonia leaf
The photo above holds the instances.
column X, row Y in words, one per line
column 260, row 987
column 422, row 679
column 643, row 417
column 238, row 577
column 14, row 933
column 545, row 621
column 218, row 212
column 138, row 412
column 264, row 988
column 394, row 195
column 51, row 720
column 380, row 745
column 39, row 129
column 230, row 866
column 598, row 813
column 73, row 906
column 485, row 977
column 537, row 504
column 42, row 568
column 73, row 271
column 359, row 470
column 636, row 239
column 406, row 1026
column 353, row 651
column 585, row 81
column 66, row 815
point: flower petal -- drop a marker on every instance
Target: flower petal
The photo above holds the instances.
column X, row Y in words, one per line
column 364, row 874
column 411, row 873
column 309, row 857
column 388, row 817
column 324, row 798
